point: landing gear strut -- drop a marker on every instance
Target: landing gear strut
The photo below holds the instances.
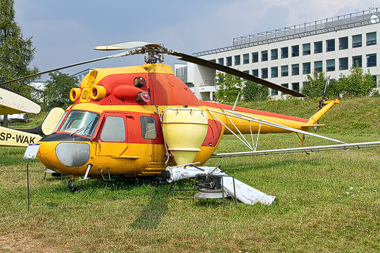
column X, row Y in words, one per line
column 71, row 186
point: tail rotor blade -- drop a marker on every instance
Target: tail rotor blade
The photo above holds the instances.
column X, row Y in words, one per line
column 322, row 101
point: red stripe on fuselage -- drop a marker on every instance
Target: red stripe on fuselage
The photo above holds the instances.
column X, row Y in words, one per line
column 134, row 131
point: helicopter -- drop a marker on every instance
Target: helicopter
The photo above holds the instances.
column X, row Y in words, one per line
column 141, row 121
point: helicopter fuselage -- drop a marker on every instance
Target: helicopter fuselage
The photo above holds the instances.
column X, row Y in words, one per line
column 115, row 123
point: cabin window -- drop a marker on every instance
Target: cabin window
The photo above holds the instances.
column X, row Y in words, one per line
column 148, row 127
column 113, row 130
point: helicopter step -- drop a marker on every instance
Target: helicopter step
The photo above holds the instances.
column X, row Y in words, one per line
column 109, row 175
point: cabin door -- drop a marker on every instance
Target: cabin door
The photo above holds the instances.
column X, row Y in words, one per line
column 113, row 138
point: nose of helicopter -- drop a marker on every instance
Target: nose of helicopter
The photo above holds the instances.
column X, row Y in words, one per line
column 63, row 154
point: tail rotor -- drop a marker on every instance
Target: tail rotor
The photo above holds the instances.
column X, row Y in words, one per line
column 322, row 101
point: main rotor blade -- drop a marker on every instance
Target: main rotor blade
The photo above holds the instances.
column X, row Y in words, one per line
column 235, row 72
column 68, row 66
column 122, row 45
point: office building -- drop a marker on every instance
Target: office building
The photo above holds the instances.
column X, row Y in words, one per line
column 287, row 55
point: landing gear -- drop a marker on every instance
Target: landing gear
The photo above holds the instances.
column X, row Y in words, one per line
column 71, row 186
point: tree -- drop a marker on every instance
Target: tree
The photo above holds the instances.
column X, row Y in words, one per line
column 316, row 85
column 15, row 52
column 357, row 83
column 254, row 92
column 57, row 90
column 229, row 87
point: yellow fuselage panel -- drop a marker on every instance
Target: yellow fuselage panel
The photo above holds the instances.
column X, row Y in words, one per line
column 137, row 160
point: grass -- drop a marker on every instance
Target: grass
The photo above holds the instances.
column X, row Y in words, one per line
column 328, row 201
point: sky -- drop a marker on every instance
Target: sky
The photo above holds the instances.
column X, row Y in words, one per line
column 66, row 32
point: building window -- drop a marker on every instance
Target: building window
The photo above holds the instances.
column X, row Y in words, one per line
column 374, row 78
column 221, row 61
column 255, row 57
column 285, row 85
column 255, row 72
column 371, row 60
column 371, row 38
column 296, row 87
column 343, row 43
column 295, row 50
column 295, row 69
column 264, row 73
column 264, row 55
column 229, row 61
column 274, row 92
column 357, row 41
column 306, row 49
column 330, row 65
column 304, row 85
column 245, row 58
column 284, row 70
column 274, row 71
column 284, row 52
column 318, row 66
column 306, row 68
column 343, row 63
column 246, row 72
column 318, row 47
column 274, row 54
column 330, row 45
column 237, row 59
column 357, row 61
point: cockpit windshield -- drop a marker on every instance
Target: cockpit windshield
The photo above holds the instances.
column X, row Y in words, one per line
column 80, row 122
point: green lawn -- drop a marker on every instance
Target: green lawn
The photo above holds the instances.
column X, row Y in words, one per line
column 327, row 201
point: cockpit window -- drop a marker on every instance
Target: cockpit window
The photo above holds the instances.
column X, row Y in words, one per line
column 80, row 122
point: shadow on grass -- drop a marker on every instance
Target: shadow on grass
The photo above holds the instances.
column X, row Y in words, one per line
column 98, row 189
column 154, row 211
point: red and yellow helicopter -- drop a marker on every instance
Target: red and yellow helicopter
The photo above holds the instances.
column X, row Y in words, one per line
column 143, row 121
